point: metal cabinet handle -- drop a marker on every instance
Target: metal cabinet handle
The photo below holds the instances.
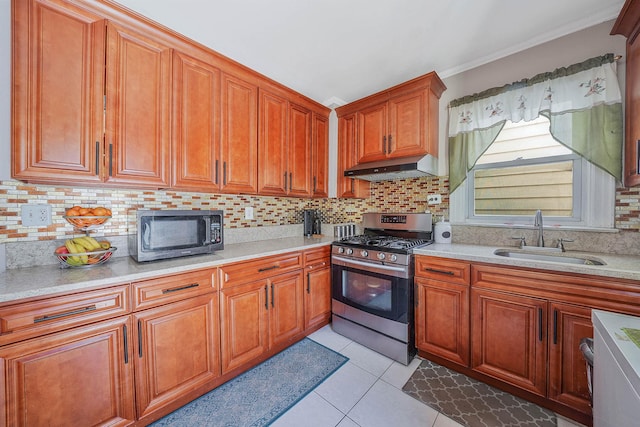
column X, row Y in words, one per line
column 97, row 157
column 314, row 184
column 290, row 181
column 434, row 270
column 555, row 326
column 539, row 324
column 139, row 338
column 126, row 344
column 110, row 159
column 389, row 145
column 180, row 288
column 48, row 317
column 224, row 173
column 273, row 267
column 384, row 144
column 266, row 297
column 308, row 283
column 272, row 296
column 217, row 167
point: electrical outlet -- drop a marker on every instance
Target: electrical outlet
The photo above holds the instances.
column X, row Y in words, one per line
column 35, row 215
column 434, row 199
column 248, row 212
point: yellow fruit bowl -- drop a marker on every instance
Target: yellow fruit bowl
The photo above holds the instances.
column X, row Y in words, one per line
column 86, row 222
column 85, row 259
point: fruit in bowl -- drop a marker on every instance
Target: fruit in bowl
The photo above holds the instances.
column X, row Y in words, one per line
column 85, row 218
column 84, row 251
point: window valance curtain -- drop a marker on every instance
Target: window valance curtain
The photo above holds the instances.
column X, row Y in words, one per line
column 582, row 102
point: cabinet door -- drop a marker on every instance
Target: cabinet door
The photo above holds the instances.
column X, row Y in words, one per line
column 320, row 156
column 239, row 135
column 177, row 350
column 567, row 369
column 442, row 319
column 244, row 323
column 299, row 152
column 632, row 116
column 347, row 148
column 372, row 133
column 58, row 83
column 407, row 123
column 318, row 294
column 509, row 339
column 286, row 307
column 137, row 119
column 272, row 145
column 83, row 376
column 196, row 124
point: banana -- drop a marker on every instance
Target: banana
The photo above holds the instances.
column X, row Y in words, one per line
column 94, row 243
column 104, row 244
column 71, row 247
column 82, row 245
column 89, row 243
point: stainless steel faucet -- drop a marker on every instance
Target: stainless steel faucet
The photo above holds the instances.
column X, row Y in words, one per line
column 537, row 222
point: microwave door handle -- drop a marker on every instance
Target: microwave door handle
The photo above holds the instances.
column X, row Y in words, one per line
column 146, row 235
column 207, row 227
column 347, row 262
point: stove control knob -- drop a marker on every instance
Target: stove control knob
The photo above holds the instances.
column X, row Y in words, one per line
column 381, row 256
column 364, row 253
column 349, row 251
column 394, row 257
column 340, row 250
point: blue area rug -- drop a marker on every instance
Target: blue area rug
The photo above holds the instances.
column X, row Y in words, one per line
column 262, row 394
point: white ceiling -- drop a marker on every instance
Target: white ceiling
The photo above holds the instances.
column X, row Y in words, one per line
column 337, row 51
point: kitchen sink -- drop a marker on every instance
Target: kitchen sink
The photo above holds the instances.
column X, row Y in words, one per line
column 541, row 255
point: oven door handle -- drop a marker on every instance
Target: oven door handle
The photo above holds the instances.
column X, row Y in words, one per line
column 346, row 262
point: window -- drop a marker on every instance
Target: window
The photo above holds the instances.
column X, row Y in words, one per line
column 526, row 169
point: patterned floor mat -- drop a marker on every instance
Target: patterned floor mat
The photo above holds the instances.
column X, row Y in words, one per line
column 471, row 402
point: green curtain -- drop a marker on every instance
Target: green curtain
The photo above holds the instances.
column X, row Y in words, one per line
column 582, row 102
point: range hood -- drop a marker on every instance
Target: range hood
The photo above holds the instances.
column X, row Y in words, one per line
column 401, row 168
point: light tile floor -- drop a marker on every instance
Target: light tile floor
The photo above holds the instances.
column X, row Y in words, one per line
column 365, row 392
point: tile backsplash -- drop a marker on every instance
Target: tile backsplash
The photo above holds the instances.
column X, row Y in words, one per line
column 408, row 195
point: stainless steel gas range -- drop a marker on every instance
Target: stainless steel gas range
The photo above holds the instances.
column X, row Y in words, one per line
column 372, row 282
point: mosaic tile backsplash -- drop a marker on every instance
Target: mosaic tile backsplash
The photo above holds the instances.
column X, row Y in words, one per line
column 408, row 195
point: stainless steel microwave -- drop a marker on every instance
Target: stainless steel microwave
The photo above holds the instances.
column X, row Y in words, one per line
column 165, row 234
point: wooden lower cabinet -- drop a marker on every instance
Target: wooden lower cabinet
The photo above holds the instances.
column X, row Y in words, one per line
column 177, row 350
column 82, row 376
column 442, row 319
column 259, row 315
column 509, row 340
column 317, row 294
column 567, row 369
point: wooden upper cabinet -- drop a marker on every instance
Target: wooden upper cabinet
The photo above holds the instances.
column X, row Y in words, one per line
column 320, row 156
column 239, row 135
column 348, row 187
column 138, row 105
column 628, row 25
column 401, row 121
column 57, row 92
column 196, row 124
column 272, row 144
column 284, row 146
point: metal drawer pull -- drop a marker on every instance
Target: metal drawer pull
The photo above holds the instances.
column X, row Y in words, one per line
column 266, row 297
column 273, row 267
column 65, row 314
column 180, row 288
column 308, row 283
column 272, row 296
column 433, row 270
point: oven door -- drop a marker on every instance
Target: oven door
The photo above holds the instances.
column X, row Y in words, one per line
column 377, row 289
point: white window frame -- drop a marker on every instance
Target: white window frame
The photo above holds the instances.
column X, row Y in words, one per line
column 594, row 194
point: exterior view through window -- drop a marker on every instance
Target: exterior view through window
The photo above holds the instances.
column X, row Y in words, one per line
column 525, row 169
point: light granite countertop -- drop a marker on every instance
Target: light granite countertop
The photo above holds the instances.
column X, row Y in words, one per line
column 21, row 283
column 616, row 266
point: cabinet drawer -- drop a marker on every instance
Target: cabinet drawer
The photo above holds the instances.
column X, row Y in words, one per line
column 154, row 292
column 243, row 272
column 35, row 318
column 317, row 256
column 443, row 269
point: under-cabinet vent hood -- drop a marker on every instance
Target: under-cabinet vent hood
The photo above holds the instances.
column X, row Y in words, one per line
column 405, row 167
